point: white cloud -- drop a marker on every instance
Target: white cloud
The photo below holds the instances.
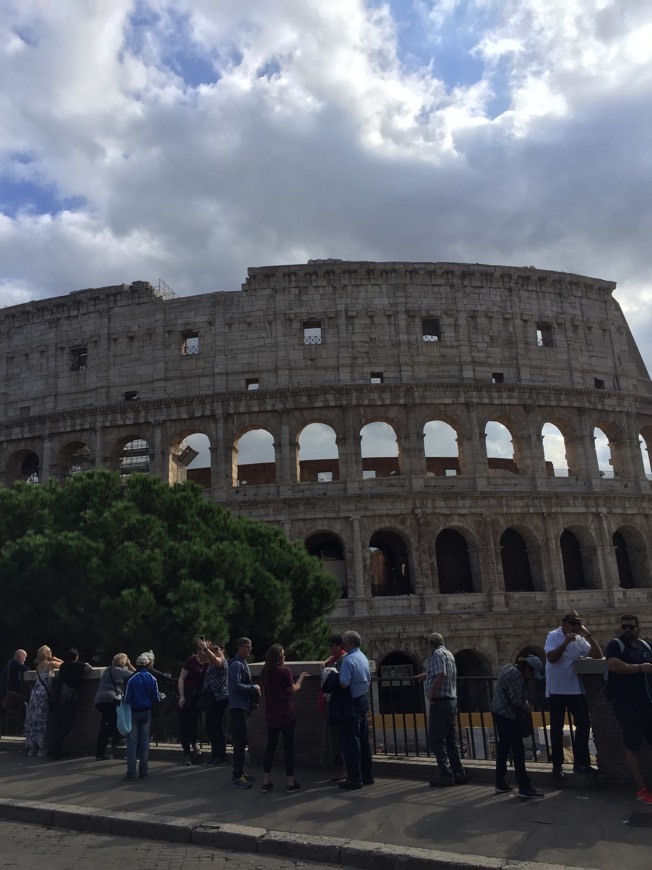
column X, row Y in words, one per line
column 193, row 144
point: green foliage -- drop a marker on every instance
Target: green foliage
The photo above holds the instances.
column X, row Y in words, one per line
column 111, row 567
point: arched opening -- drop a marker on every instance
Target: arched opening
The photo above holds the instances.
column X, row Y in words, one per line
column 190, row 459
column 24, row 465
column 453, row 563
column 328, row 548
column 397, row 690
column 499, row 447
column 134, row 458
column 389, row 564
column 318, row 456
column 75, row 459
column 571, row 556
column 379, row 450
column 603, row 453
column 517, row 573
column 441, row 450
column 254, row 458
column 554, row 451
column 631, row 558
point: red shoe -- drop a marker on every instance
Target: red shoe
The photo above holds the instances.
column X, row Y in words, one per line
column 644, row 796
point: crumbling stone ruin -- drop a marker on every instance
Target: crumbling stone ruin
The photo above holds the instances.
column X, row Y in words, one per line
column 464, row 446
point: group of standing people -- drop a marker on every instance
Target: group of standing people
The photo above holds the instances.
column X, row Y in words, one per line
column 629, row 667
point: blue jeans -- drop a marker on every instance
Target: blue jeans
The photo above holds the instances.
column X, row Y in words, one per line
column 443, row 740
column 354, row 742
column 138, row 742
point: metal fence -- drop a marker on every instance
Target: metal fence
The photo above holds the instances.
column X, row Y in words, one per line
column 399, row 721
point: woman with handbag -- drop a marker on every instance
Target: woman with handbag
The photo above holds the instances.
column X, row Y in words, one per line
column 38, row 709
column 110, row 690
column 511, row 710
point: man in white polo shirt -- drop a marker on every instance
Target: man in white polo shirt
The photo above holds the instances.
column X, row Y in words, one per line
column 564, row 690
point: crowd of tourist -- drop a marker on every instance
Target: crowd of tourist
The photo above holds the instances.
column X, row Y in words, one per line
column 209, row 684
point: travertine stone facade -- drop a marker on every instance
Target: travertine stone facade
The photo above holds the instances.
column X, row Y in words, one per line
column 486, row 549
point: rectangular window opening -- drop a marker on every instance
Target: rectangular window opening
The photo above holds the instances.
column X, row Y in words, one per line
column 497, row 378
column 430, row 329
column 131, row 396
column 312, row 332
column 599, row 383
column 368, row 473
column 78, row 358
column 252, row 383
column 324, row 476
column 189, row 343
column 376, row 377
column 544, row 335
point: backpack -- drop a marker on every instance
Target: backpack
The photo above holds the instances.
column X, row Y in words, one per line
column 621, row 646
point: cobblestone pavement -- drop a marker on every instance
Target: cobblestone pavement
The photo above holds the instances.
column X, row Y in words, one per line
column 25, row 847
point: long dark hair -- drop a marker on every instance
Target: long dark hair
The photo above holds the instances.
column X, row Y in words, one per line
column 273, row 660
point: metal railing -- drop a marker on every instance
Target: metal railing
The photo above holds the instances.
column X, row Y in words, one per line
column 399, row 721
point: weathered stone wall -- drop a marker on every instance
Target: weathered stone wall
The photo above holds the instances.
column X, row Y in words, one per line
column 83, row 375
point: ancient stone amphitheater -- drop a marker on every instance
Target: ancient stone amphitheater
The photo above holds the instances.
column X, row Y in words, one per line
column 464, row 446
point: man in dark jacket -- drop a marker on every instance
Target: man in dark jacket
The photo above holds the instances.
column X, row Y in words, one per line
column 71, row 676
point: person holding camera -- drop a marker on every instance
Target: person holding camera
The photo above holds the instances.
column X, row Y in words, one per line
column 189, row 686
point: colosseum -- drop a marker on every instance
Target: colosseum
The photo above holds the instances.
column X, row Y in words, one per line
column 464, row 446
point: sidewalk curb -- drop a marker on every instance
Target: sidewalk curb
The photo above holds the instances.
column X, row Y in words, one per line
column 245, row 838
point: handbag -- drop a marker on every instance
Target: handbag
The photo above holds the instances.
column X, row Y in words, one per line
column 13, row 702
column 123, row 717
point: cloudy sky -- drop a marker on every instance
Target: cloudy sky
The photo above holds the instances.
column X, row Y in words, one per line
column 188, row 140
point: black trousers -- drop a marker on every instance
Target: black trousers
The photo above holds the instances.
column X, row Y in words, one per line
column 576, row 705
column 288, row 748
column 215, row 729
column 508, row 732
column 239, row 737
column 108, row 727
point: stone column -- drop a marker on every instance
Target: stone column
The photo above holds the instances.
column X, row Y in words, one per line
column 474, row 458
column 46, row 459
column 349, row 454
column 492, row 580
column 360, row 594
column 287, row 473
column 556, row 577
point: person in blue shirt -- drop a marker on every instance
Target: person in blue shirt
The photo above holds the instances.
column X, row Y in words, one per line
column 141, row 693
column 355, row 677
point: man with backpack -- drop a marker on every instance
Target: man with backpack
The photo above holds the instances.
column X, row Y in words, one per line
column 629, row 659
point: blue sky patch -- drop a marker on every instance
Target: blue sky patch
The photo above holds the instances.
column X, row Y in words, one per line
column 18, row 196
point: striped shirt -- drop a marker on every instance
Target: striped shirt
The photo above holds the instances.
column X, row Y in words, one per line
column 442, row 662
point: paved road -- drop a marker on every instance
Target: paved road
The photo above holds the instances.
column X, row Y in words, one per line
column 26, row 847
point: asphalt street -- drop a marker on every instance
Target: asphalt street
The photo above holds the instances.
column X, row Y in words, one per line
column 28, row 847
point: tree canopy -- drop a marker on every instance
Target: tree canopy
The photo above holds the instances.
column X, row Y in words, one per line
column 112, row 566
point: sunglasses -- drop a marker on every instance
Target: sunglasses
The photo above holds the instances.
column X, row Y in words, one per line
column 573, row 621
column 627, row 625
